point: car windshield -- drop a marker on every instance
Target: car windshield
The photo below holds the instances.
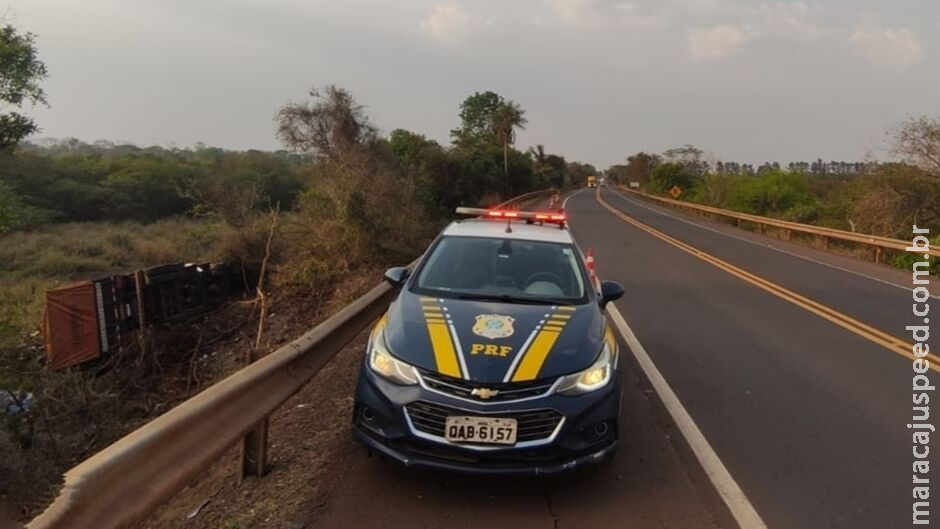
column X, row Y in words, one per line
column 502, row 270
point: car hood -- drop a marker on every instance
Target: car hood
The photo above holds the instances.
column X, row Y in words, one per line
column 492, row 342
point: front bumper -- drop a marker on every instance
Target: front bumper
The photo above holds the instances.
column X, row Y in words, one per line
column 584, row 433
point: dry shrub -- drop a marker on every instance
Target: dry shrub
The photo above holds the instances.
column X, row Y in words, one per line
column 893, row 198
column 156, row 252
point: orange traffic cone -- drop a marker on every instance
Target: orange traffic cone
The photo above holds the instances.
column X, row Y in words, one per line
column 589, row 263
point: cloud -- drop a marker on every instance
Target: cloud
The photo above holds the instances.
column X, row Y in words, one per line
column 603, row 14
column 718, row 41
column 887, row 47
column 782, row 20
column 703, row 6
column 571, row 10
column 447, row 24
column 790, row 19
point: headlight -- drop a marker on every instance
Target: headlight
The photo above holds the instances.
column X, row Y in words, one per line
column 387, row 366
column 592, row 378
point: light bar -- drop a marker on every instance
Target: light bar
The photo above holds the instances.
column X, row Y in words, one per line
column 553, row 217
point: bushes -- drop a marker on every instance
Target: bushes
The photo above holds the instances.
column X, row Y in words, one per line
column 116, row 183
column 906, row 260
column 888, row 201
column 15, row 214
column 669, row 174
column 774, row 192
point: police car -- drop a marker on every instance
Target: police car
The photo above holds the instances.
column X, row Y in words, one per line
column 496, row 356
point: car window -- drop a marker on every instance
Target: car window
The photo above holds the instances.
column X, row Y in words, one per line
column 502, row 267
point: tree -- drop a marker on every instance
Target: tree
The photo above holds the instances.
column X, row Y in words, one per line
column 690, row 157
column 331, row 127
column 20, row 74
column 504, row 121
column 917, row 141
column 422, row 165
column 715, row 189
column 14, row 213
column 550, row 170
column 669, row 174
column 776, row 193
column 476, row 119
column 640, row 167
column 580, row 171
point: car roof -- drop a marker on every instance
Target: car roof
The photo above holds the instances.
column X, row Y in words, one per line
column 496, row 229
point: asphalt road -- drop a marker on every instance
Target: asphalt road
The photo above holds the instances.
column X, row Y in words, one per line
column 808, row 418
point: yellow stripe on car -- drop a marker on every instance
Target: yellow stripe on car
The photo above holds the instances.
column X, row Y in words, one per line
column 535, row 356
column 445, row 354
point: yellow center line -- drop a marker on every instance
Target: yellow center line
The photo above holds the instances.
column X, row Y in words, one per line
column 892, row 343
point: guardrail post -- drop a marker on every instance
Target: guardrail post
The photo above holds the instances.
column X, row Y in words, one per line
column 877, row 254
column 825, row 241
column 255, row 451
column 786, row 235
column 760, row 228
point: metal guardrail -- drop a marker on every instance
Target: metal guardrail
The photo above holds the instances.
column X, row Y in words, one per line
column 119, row 486
column 526, row 197
column 878, row 243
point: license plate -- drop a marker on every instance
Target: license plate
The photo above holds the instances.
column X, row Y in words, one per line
column 482, row 430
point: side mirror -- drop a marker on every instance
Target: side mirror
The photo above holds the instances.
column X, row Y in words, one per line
column 610, row 291
column 396, row 276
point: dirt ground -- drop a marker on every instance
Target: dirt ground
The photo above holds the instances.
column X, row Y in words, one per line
column 308, row 436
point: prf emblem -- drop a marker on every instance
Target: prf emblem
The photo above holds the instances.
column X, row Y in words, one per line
column 488, row 349
column 493, row 326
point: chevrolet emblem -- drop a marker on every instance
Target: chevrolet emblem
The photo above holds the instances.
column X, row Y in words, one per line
column 484, row 393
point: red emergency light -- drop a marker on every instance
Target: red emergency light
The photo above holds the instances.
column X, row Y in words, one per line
column 502, row 214
column 552, row 217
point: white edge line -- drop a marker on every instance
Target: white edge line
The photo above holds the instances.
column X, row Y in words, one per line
column 762, row 245
column 564, row 203
column 732, row 495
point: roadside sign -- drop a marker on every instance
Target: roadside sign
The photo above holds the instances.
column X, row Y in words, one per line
column 634, row 185
column 675, row 191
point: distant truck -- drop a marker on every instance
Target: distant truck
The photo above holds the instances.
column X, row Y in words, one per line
column 592, row 181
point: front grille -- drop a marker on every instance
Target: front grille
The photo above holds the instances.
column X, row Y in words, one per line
column 533, row 425
column 507, row 391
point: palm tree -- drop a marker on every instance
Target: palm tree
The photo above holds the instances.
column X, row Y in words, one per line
column 506, row 119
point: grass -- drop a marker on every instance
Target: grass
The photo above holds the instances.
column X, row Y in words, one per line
column 81, row 250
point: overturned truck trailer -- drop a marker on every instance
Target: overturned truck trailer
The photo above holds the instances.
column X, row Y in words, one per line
column 92, row 319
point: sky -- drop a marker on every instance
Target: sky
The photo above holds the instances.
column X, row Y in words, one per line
column 747, row 81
